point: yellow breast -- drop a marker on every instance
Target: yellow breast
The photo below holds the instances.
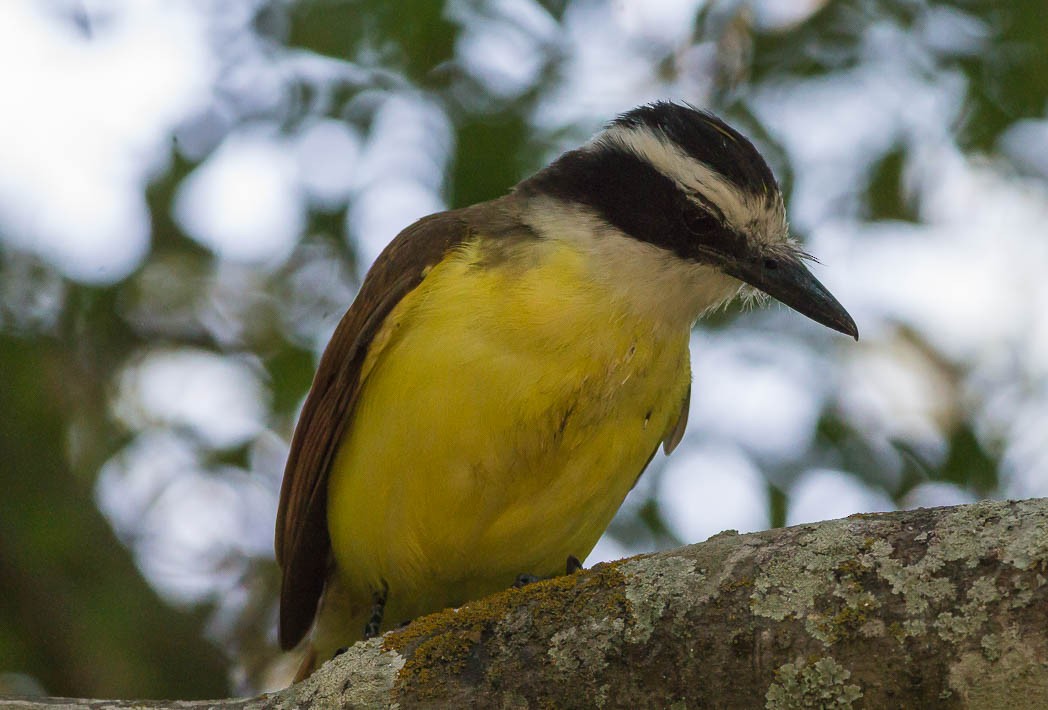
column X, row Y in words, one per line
column 507, row 410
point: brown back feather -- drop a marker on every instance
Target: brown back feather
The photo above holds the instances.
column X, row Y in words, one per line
column 303, row 546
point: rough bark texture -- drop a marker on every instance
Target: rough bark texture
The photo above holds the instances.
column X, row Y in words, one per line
column 945, row 607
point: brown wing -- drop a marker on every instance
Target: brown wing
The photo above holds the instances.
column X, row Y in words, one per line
column 674, row 435
column 302, row 543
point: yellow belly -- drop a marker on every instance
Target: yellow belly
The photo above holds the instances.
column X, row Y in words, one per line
column 506, row 413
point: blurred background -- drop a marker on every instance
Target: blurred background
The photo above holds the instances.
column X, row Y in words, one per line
column 190, row 192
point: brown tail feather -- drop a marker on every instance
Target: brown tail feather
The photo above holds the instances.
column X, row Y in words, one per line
column 308, row 664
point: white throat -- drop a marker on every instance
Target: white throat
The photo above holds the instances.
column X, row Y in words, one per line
column 649, row 281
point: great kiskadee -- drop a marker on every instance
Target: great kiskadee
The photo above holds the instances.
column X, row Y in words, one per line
column 508, row 370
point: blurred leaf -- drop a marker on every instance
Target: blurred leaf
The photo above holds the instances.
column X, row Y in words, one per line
column 841, row 446
column 886, row 198
column 334, row 28
column 968, row 464
column 412, row 35
column 1009, row 81
column 487, row 163
column 826, row 42
column 916, row 468
column 778, row 504
column 87, row 624
column 290, row 375
column 651, row 515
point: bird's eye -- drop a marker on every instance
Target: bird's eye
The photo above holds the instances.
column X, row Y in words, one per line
column 698, row 222
column 771, row 264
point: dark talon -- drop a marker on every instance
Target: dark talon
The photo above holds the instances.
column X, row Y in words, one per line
column 378, row 608
column 340, row 651
column 524, row 580
column 573, row 564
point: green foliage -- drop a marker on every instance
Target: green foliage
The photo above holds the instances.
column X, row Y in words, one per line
column 75, row 612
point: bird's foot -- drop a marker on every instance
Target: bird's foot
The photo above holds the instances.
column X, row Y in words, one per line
column 524, row 580
column 573, row 565
column 378, row 609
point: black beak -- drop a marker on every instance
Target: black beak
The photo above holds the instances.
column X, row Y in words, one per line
column 787, row 280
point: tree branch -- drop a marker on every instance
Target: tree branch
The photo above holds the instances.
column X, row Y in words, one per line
column 940, row 607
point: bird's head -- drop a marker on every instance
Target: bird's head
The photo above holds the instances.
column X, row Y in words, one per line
column 685, row 183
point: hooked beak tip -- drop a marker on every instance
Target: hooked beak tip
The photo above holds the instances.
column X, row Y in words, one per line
column 848, row 327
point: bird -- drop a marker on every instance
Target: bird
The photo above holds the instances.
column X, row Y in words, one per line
column 507, row 371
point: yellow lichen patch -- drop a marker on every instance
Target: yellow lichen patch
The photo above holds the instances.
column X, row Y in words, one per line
column 561, row 599
column 744, row 582
column 439, row 646
column 846, row 622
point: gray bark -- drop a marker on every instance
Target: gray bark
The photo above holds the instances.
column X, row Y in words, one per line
column 945, row 607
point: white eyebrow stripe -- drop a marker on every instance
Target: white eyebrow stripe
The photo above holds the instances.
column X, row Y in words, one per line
column 750, row 214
